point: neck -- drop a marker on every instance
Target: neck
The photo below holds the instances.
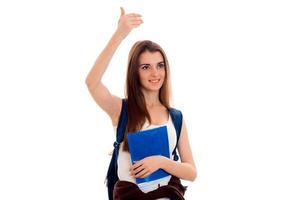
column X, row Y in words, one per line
column 152, row 99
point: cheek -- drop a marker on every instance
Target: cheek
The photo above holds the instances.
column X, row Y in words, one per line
column 142, row 77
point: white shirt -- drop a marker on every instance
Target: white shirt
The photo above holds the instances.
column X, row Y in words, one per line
column 124, row 160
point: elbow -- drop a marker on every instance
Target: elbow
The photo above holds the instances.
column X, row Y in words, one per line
column 193, row 175
column 90, row 83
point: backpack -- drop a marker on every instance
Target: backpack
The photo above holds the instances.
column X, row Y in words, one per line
column 112, row 172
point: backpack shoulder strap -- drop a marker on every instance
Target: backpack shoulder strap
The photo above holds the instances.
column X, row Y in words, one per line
column 121, row 124
column 112, row 172
column 176, row 116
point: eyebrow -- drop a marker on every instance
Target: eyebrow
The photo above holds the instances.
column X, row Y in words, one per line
column 149, row 64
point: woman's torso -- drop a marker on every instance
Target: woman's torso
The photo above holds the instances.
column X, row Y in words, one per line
column 124, row 160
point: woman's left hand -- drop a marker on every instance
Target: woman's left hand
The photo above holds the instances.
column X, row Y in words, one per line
column 146, row 166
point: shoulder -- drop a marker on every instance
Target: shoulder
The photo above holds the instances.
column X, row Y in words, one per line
column 177, row 118
column 175, row 113
column 122, row 113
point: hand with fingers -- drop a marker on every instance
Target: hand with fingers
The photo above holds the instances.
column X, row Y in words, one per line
column 146, row 166
column 127, row 22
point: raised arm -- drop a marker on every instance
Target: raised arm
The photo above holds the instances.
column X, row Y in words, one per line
column 109, row 103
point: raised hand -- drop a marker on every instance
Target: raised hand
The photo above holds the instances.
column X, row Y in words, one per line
column 127, row 22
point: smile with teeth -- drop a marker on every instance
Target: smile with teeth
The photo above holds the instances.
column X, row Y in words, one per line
column 154, row 80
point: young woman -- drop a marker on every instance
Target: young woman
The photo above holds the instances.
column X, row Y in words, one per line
column 147, row 103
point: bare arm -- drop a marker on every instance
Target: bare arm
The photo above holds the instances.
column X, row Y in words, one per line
column 185, row 169
column 109, row 103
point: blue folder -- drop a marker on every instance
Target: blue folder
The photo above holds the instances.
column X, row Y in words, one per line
column 148, row 143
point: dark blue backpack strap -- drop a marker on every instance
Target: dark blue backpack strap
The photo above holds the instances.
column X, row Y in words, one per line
column 112, row 173
column 176, row 116
column 121, row 124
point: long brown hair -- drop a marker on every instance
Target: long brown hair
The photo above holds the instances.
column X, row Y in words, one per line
column 135, row 100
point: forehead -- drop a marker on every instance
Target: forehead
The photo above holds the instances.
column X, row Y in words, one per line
column 151, row 57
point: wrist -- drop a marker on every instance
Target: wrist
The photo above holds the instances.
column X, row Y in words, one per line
column 117, row 36
column 163, row 162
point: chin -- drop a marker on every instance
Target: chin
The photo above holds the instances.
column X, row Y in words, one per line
column 152, row 89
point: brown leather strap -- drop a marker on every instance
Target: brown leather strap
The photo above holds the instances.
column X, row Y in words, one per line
column 124, row 190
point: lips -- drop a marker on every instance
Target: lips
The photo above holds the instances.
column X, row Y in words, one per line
column 154, row 80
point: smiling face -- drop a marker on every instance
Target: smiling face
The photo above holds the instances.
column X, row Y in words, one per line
column 151, row 71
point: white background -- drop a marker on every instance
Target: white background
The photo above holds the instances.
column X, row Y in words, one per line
column 235, row 74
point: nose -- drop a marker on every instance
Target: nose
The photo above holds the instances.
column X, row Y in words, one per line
column 154, row 70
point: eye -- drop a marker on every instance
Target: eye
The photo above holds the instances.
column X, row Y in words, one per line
column 145, row 67
column 161, row 65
